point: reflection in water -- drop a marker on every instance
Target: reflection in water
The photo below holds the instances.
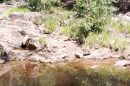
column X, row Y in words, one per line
column 34, row 75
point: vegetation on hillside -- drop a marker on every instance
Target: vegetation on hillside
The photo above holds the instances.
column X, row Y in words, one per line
column 87, row 21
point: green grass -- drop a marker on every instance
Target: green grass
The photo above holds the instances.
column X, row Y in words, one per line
column 15, row 9
column 42, row 40
column 118, row 43
column 100, row 39
column 121, row 27
column 51, row 24
column 105, row 39
column 70, row 30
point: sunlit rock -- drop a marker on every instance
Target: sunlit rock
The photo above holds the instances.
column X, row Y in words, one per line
column 122, row 63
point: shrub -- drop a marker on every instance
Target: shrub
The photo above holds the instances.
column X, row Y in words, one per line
column 92, row 16
column 38, row 5
column 76, row 30
column 96, row 12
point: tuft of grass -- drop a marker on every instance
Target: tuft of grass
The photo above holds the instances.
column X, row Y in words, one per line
column 51, row 24
column 105, row 39
column 71, row 30
column 120, row 44
column 100, row 39
column 121, row 27
column 15, row 9
column 42, row 40
column 38, row 21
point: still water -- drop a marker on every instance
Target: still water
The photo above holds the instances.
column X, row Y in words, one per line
column 35, row 74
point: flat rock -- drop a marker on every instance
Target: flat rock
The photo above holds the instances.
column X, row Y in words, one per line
column 122, row 63
column 99, row 54
column 37, row 58
column 18, row 54
column 29, row 16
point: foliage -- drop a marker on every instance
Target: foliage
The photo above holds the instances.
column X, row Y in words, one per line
column 96, row 12
column 38, row 5
column 91, row 16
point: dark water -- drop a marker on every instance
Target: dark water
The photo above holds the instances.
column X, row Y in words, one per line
column 67, row 75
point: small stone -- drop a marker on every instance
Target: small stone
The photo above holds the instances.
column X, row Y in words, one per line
column 78, row 54
column 23, row 33
column 46, row 32
column 86, row 53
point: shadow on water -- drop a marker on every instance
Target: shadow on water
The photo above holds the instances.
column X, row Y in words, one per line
column 67, row 75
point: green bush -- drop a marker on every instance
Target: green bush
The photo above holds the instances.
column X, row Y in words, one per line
column 38, row 5
column 96, row 12
column 92, row 16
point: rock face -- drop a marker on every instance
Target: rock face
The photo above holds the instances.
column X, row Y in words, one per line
column 22, row 41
